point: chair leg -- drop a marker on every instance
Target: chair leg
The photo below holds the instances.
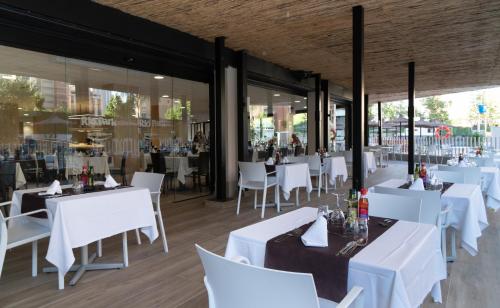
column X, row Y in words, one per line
column 99, row 248
column 34, row 258
column 297, row 196
column 277, row 197
column 255, row 200
column 453, row 247
column 138, row 236
column 60, row 280
column 162, row 229
column 319, row 185
column 326, row 182
column 125, row 249
column 443, row 243
column 263, row 202
column 239, row 201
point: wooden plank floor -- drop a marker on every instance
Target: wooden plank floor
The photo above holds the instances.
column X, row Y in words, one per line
column 155, row 279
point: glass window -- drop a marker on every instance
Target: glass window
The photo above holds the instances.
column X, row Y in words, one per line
column 278, row 121
column 60, row 114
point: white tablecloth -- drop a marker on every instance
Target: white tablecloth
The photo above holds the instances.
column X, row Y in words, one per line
column 396, row 270
column 491, row 186
column 370, row 163
column 180, row 165
column 400, row 267
column 334, row 167
column 15, row 207
column 74, row 164
column 20, row 179
column 467, row 213
column 82, row 219
column 291, row 176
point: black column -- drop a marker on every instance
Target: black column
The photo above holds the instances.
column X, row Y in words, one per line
column 317, row 106
column 379, row 105
column 366, row 124
column 411, row 116
column 211, row 110
column 220, row 89
column 357, row 96
column 243, row 153
column 326, row 115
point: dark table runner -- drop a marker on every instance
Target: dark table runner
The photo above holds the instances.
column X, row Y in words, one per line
column 272, row 168
column 329, row 271
column 33, row 201
column 446, row 186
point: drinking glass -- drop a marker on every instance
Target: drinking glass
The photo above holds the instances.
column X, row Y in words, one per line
column 362, row 230
column 337, row 217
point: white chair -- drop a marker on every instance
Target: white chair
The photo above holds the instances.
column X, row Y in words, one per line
column 395, row 207
column 449, row 176
column 472, row 175
column 20, row 234
column 233, row 284
column 153, row 182
column 397, row 149
column 254, row 176
column 431, row 212
column 316, row 170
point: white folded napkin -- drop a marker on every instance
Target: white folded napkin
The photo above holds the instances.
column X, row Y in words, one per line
column 270, row 162
column 316, row 154
column 462, row 164
column 110, row 182
column 317, row 234
column 54, row 188
column 417, row 185
column 285, row 160
column 434, row 179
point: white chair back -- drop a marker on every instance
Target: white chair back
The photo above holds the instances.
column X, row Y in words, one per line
column 297, row 159
column 3, row 241
column 472, row 175
column 430, row 209
column 252, row 172
column 314, row 162
column 152, row 181
column 232, row 284
column 449, row 176
column 395, row 207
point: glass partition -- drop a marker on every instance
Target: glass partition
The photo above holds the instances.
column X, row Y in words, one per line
column 59, row 114
column 278, row 121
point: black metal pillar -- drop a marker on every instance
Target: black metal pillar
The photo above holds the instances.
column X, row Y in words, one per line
column 411, row 116
column 357, row 96
column 366, row 123
column 379, row 113
column 326, row 115
column 317, row 108
column 220, row 89
column 211, row 110
column 243, row 153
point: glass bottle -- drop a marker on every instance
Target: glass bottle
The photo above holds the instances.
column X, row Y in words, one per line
column 84, row 177
column 91, row 176
column 363, row 204
column 416, row 173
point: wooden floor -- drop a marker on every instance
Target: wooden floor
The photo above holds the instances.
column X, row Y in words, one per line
column 155, row 279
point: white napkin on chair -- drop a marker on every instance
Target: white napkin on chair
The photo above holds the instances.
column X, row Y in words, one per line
column 110, row 182
column 54, row 188
column 317, row 234
column 270, row 161
column 417, row 185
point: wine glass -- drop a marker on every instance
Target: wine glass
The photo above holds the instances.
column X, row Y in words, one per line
column 361, row 234
column 337, row 218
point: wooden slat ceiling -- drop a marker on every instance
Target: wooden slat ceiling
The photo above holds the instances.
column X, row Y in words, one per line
column 454, row 43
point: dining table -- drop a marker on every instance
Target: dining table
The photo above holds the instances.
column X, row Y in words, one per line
column 335, row 166
column 79, row 219
column 466, row 211
column 398, row 269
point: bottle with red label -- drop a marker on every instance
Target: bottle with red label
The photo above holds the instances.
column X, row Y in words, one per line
column 363, row 204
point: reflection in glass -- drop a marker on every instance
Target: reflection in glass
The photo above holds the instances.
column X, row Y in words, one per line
column 59, row 114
